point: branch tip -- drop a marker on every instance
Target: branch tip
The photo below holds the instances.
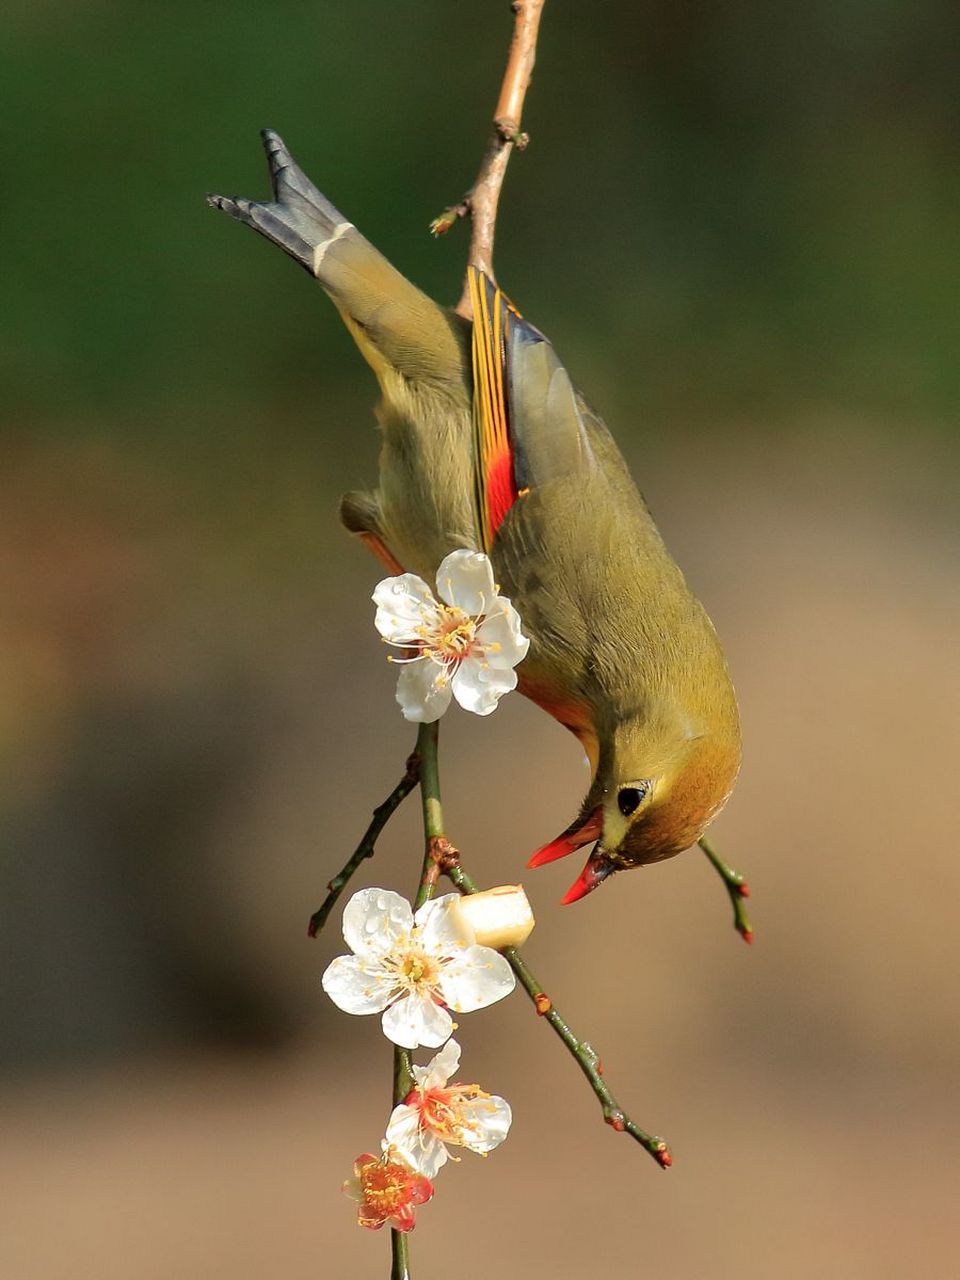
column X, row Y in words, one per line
column 736, row 886
column 443, row 222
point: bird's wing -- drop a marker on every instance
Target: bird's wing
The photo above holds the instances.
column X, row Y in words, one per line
column 528, row 424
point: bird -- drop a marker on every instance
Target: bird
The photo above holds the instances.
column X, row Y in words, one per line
column 488, row 445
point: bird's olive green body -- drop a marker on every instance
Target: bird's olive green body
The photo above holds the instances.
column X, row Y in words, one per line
column 621, row 651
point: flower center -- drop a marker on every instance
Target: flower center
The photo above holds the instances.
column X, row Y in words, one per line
column 441, row 1109
column 453, row 637
column 386, row 1188
column 417, row 969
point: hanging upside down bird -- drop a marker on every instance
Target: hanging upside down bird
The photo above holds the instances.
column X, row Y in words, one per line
column 488, row 445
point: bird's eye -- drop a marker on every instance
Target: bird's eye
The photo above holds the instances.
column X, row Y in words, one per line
column 630, row 798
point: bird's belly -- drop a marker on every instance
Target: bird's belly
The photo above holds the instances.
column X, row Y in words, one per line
column 426, row 491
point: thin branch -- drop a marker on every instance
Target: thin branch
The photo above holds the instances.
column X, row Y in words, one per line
column 736, row 887
column 399, row 1255
column 381, row 816
column 435, row 841
column 402, row 1074
column 482, row 199
column 584, row 1053
column 436, row 849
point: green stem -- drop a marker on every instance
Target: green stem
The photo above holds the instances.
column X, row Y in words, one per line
column 381, row 816
column 400, row 1256
column 435, row 846
column 426, row 752
column 736, row 887
column 584, row 1053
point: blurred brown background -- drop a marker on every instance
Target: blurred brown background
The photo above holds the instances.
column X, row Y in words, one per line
column 739, row 225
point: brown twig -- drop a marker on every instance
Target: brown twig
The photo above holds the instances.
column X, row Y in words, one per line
column 482, row 199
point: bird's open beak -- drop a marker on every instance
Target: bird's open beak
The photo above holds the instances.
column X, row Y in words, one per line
column 579, row 833
column 594, row 873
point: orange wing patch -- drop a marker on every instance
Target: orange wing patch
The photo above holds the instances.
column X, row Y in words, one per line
column 493, row 449
column 376, row 545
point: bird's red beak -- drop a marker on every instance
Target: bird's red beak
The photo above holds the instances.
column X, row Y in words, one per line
column 594, row 873
column 579, row 833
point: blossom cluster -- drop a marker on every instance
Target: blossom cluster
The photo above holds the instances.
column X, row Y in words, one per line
column 416, row 969
column 413, row 970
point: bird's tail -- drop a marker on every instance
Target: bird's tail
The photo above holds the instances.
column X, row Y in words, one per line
column 300, row 219
column 397, row 327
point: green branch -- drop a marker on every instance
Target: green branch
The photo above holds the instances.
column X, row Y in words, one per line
column 381, row 816
column 584, row 1053
column 435, row 849
column 736, row 887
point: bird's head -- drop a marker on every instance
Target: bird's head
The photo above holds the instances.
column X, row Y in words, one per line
column 658, row 781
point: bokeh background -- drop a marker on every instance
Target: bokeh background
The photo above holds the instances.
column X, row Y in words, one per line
column 739, row 223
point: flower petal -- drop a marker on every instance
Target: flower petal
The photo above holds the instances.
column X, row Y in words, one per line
column 440, row 926
column 402, row 604
column 484, row 1122
column 430, row 1156
column 504, row 644
column 405, row 1218
column 417, row 1019
column 403, row 1129
column 375, row 921
column 478, row 687
column 421, row 1190
column 423, row 691
column 420, row 1147
column 357, row 986
column 353, row 1187
column 475, row 978
column 441, row 1068
column 465, row 579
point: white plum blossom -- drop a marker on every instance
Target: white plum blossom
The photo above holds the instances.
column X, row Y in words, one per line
column 413, row 968
column 435, row 1114
column 463, row 645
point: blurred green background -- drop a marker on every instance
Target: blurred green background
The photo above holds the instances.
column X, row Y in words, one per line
column 739, row 224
